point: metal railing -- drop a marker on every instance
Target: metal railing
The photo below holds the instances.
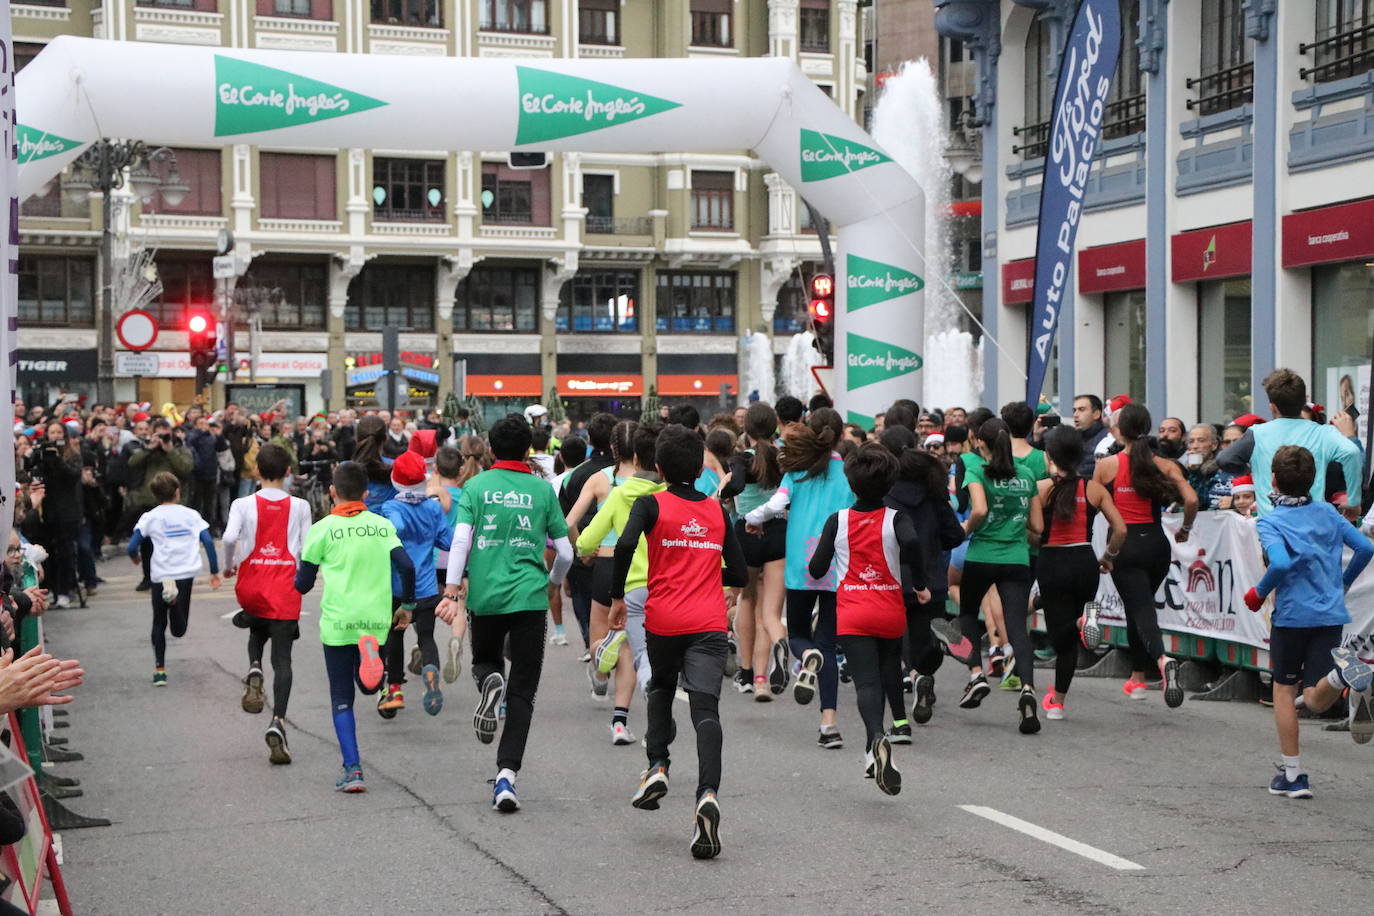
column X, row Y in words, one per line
column 1345, row 53
column 516, row 218
column 620, row 225
column 1124, row 117
column 396, row 215
column 1037, row 140
column 1224, row 89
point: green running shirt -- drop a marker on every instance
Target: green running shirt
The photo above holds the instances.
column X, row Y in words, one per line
column 1002, row 536
column 353, row 553
column 512, row 515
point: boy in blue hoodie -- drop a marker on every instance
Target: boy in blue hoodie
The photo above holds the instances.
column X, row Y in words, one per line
column 1302, row 542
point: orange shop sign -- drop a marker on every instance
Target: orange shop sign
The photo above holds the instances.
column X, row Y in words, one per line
column 505, row 386
column 592, row 386
column 696, row 385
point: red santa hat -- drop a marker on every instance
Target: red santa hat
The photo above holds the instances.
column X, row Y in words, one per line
column 1243, row 484
column 1247, row 420
column 423, row 443
column 408, row 471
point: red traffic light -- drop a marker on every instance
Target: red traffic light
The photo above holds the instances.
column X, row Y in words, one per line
column 820, row 310
column 822, row 286
column 197, row 324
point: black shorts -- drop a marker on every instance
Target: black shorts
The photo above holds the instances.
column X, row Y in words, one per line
column 761, row 549
column 273, row 629
column 603, row 571
column 1302, row 654
column 695, row 661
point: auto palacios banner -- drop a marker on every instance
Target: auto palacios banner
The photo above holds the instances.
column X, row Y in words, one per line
column 1080, row 101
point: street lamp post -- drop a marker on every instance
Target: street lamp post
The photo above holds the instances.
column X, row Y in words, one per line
column 102, row 168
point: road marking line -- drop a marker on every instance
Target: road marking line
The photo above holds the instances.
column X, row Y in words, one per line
column 1054, row 839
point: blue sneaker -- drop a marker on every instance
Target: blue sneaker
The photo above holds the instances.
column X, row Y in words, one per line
column 1296, row 788
column 434, row 697
column 351, row 780
column 503, row 797
column 1356, row 674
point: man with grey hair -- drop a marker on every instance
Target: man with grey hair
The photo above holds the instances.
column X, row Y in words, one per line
column 1212, row 484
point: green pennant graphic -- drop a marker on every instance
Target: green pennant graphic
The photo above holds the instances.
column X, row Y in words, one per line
column 871, row 282
column 36, row 144
column 827, row 156
column 554, row 105
column 860, row 419
column 871, row 361
column 250, row 98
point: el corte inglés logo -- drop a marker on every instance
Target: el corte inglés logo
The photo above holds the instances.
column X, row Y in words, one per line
column 827, row 156
column 871, row 361
column 554, row 105
column 871, row 282
column 37, row 144
column 250, row 98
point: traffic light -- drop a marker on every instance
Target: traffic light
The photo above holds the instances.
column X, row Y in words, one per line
column 822, row 313
column 200, row 333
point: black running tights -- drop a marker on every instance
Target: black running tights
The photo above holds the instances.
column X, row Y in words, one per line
column 394, row 652
column 1138, row 572
column 1068, row 578
column 875, row 664
column 176, row 615
column 1013, row 582
column 281, row 633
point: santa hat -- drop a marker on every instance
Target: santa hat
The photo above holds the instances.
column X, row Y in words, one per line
column 140, row 417
column 934, row 439
column 422, row 443
column 1247, row 420
column 408, row 472
column 1242, row 484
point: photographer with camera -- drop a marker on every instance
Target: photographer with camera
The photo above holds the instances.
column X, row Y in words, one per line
column 56, row 465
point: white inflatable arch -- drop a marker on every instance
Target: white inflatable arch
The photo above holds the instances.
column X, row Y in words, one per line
column 79, row 89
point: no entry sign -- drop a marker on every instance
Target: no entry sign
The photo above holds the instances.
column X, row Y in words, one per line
column 136, row 329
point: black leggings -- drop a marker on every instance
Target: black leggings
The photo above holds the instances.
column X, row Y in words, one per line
column 580, row 581
column 697, row 662
column 1013, row 582
column 876, row 666
column 177, row 615
column 394, row 652
column 1068, row 578
column 800, row 637
column 921, row 651
column 1138, row 572
column 526, row 630
column 281, row 633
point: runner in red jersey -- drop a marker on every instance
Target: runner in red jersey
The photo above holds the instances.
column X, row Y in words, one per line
column 877, row 560
column 687, row 535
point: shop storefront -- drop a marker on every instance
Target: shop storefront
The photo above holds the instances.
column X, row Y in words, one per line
column 502, row 383
column 1218, row 260
column 587, row 393
column 1117, row 274
column 707, row 381
column 1337, row 244
column 419, row 384
column 46, row 376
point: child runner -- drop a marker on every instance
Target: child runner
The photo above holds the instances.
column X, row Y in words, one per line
column 177, row 533
column 505, row 516
column 358, row 551
column 877, row 561
column 685, row 620
column 1302, row 540
column 422, row 527
column 268, row 528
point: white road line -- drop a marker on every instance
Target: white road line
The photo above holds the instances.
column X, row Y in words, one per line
column 1054, row 839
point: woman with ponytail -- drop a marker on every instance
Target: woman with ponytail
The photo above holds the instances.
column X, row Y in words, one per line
column 813, row 487
column 371, row 438
column 1142, row 484
column 754, row 476
column 1069, row 571
column 1000, row 510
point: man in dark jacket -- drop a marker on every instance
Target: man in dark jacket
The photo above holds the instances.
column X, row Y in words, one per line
column 1087, row 419
column 204, row 469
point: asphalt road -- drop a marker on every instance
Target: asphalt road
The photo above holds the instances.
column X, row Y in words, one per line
column 204, row 825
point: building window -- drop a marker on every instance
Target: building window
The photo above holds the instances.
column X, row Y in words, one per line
column 1228, row 72
column 297, row 9
column 713, row 200
column 599, row 301
column 200, row 170
column 1342, row 335
column 1125, row 114
column 815, row 25
column 1125, row 314
column 530, row 16
column 204, row 6
column 711, row 23
column 391, row 295
column 294, row 186
column 26, row 51
column 408, row 190
column 1224, row 377
column 56, row 290
column 1345, row 41
column 514, row 197
column 407, row 12
column 696, row 302
column 286, row 295
column 598, row 22
column 1033, row 136
column 598, row 197
column 187, row 282
column 498, row 299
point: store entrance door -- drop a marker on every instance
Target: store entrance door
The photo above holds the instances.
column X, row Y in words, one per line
column 581, row 409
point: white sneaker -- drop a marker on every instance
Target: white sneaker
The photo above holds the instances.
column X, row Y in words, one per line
column 558, row 639
column 63, row 601
column 621, row 734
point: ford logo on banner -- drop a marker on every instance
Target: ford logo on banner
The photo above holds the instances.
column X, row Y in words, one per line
column 1080, row 101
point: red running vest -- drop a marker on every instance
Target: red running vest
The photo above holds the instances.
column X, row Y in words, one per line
column 266, row 585
column 868, row 564
column 685, row 590
column 1134, row 508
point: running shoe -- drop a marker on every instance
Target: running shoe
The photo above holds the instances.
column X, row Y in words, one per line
column 599, row 684
column 453, row 666
column 731, row 655
column 925, row 698
column 908, row 684
column 777, row 667
column 503, row 795
column 1089, row 626
column 974, row 693
column 621, row 734
column 1046, row 654
column 558, row 639
column 885, row 774
column 1010, row 682
column 351, row 780
column 279, row 753
column 433, row 700
column 743, row 683
column 956, row 645
column 160, row 677
column 1030, row 720
column 391, row 701
column 842, row 664
column 252, row 693
column 996, row 663
column 1173, row 691
column 1136, row 690
column 1361, row 720
column 485, row 718
column 762, row 694
column 144, row 586
column 899, row 734
column 868, row 765
column 1355, row 673
column 1053, row 711
column 706, row 831
column 370, row 667
column 585, row 657
column 607, row 652
column 831, row 741
column 1294, row 788
column 653, row 785
column 416, row 662
column 804, row 690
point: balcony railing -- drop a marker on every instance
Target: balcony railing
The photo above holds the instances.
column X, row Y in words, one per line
column 1224, row 89
column 1124, row 117
column 1037, row 140
column 1348, row 52
column 620, row 225
column 393, row 215
column 515, row 27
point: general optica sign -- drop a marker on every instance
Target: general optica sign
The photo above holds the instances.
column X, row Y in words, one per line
column 309, row 100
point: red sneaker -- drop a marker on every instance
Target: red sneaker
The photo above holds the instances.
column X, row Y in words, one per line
column 1052, row 709
column 370, row 667
column 1135, row 689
